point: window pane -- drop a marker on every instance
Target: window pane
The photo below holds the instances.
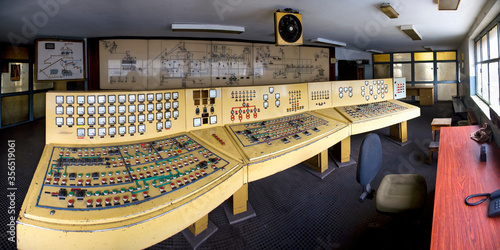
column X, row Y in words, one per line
column 446, row 71
column 484, row 48
column 494, row 98
column 484, row 81
column 402, row 70
column 493, row 35
column 479, row 80
column 401, row 57
column 478, row 51
column 424, row 72
column 381, row 70
column 424, row 56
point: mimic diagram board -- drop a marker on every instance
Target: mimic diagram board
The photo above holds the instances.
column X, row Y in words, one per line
column 99, row 189
column 158, row 64
column 123, row 64
column 320, row 95
column 244, row 104
column 60, row 60
column 262, row 139
column 361, row 91
column 96, row 117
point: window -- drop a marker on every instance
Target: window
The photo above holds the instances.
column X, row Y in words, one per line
column 487, row 61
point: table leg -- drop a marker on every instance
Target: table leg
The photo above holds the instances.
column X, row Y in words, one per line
column 199, row 226
column 319, row 162
column 399, row 132
column 240, row 199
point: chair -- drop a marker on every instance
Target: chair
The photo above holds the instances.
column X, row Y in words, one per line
column 397, row 193
column 436, row 125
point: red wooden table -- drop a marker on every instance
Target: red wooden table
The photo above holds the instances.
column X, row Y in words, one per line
column 460, row 173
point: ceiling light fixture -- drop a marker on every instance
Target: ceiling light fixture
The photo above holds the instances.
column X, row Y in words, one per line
column 448, row 4
column 411, row 32
column 374, row 51
column 329, row 42
column 389, row 10
column 427, row 48
column 208, row 28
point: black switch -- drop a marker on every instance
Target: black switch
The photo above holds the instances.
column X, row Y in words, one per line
column 197, row 111
column 62, row 193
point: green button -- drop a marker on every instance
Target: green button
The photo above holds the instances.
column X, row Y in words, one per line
column 97, row 193
column 106, row 192
column 70, row 193
column 87, row 175
column 123, row 190
column 110, row 173
column 80, row 175
column 89, row 193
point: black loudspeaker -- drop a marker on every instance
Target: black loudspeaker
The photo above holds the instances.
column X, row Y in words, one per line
column 288, row 28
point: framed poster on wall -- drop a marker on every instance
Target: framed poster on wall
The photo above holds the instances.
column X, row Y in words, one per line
column 59, row 60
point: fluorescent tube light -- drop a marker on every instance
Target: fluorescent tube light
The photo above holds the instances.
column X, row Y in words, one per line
column 389, row 10
column 411, row 32
column 448, row 4
column 329, row 42
column 374, row 51
column 208, row 28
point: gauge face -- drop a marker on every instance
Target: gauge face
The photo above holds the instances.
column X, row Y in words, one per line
column 271, row 90
column 121, row 109
column 91, row 99
column 59, row 110
column 112, row 120
column 101, row 131
column 366, row 83
column 141, row 118
column 112, row 131
column 213, row 119
column 159, row 106
column 131, row 118
column 159, row 116
column 101, row 110
column 350, row 89
column 212, row 93
column 121, row 98
column 121, row 119
column 101, row 120
column 266, row 97
column 70, row 99
column 101, row 99
column 80, row 110
column 121, row 130
column 167, row 96
column 91, row 132
column 70, row 121
column 341, row 89
column 70, row 110
column 266, row 104
column 91, row 110
column 175, row 95
column 277, row 95
column 278, row 103
column 131, row 98
column 362, row 87
column 131, row 108
column 151, row 117
column 131, row 129
column 111, row 98
column 80, row 99
column 350, row 94
column 150, row 97
column 175, row 105
column 59, row 121
column 176, row 114
column 159, row 126
column 168, row 124
column 59, row 99
column 150, row 107
column 141, row 97
column 141, row 107
column 167, row 114
column 112, row 109
column 341, row 94
column 196, row 122
column 167, row 105
column 142, row 128
column 346, row 89
column 91, row 121
column 159, row 97
column 80, row 121
column 80, row 132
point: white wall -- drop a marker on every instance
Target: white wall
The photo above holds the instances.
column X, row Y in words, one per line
column 351, row 55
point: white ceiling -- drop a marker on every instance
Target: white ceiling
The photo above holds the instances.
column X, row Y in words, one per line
column 359, row 23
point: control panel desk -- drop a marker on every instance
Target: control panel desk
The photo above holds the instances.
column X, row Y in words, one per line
column 460, row 173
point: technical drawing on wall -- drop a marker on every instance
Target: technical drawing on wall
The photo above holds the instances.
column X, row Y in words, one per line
column 59, row 60
column 123, row 63
column 231, row 64
column 178, row 64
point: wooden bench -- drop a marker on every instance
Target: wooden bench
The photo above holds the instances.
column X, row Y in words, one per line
column 471, row 117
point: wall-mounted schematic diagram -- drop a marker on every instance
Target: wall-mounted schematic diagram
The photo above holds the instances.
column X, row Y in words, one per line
column 57, row 60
